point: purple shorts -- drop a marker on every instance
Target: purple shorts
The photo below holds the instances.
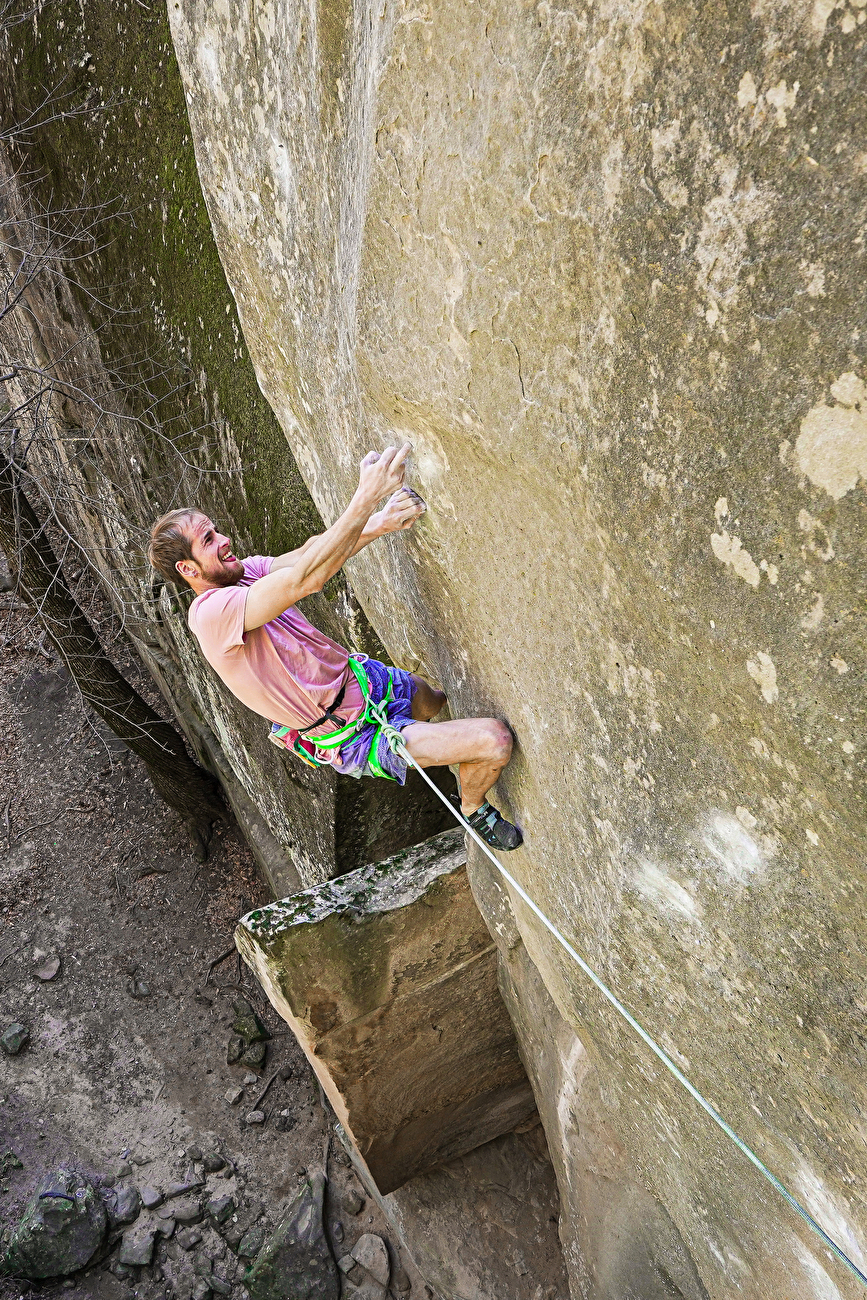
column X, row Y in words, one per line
column 355, row 753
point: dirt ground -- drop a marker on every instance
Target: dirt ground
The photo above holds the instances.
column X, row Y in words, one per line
column 126, row 1060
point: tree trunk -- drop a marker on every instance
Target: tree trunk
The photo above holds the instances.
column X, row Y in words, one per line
column 176, row 777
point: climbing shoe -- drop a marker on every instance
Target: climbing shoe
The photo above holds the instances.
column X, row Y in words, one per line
column 494, row 829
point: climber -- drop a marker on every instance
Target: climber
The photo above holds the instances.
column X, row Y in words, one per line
column 326, row 705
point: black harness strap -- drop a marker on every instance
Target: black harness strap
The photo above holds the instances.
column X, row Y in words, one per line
column 329, row 715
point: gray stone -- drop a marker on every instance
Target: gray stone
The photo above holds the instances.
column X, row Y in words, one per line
column 123, row 1204
column 370, row 1290
column 121, row 1170
column 255, row 1117
column 247, row 1024
column 297, row 1261
column 337, row 1233
column 137, row 1246
column 235, row 1230
column 219, row 1285
column 371, row 1252
column 353, row 1202
column 233, row 1095
column 48, row 970
column 202, row 1264
column 194, row 1153
column 61, row 1228
column 201, row 1290
column 400, row 1280
column 165, row 1228
column 213, row 1162
column 252, row 1241
column 188, row 1210
column 13, row 1038
column 151, row 1197
column 188, row 1238
column 182, row 1189
column 234, row 1049
column 254, row 1055
column 9, row 1161
column 351, row 1269
column 220, row 1208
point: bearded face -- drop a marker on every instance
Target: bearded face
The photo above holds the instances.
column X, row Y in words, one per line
column 212, row 552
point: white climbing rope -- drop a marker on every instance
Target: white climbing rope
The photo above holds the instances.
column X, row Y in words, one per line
column 662, row 1055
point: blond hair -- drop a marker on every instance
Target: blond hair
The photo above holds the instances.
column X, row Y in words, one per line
column 171, row 541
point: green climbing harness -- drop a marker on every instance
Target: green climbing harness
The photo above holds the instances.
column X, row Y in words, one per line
column 372, row 714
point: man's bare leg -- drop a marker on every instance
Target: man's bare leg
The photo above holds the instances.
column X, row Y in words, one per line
column 480, row 746
column 427, row 701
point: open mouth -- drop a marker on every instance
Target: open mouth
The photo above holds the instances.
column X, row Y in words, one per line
column 226, row 557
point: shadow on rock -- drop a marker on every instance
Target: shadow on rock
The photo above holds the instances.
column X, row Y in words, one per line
column 297, row 1260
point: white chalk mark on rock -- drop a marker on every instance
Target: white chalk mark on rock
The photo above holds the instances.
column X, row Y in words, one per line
column 764, row 673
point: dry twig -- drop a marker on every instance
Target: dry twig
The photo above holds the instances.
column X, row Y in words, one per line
column 217, row 960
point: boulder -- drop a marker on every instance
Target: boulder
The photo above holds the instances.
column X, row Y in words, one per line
column 371, row 1253
column 123, row 1204
column 61, row 1228
column 247, row 1024
column 182, row 1189
column 188, row 1210
column 137, row 1247
column 631, row 370
column 408, row 1037
column 220, row 1208
column 297, row 1260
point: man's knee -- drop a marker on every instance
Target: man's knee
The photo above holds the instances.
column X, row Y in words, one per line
column 427, row 700
column 498, row 741
column 439, row 699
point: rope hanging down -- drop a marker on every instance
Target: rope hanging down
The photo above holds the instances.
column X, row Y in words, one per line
column 396, row 741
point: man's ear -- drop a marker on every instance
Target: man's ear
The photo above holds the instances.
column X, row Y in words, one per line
column 187, row 569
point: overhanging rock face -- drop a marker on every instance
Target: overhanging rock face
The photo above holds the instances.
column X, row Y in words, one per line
column 603, row 266
column 388, row 978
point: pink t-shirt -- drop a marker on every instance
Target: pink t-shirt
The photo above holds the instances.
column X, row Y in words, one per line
column 286, row 670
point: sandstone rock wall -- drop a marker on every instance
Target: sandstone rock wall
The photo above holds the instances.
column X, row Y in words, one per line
column 143, row 325
column 604, row 265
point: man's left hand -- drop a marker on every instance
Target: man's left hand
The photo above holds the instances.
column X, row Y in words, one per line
column 401, row 510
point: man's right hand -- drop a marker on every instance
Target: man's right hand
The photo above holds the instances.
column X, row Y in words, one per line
column 382, row 472
column 302, row 572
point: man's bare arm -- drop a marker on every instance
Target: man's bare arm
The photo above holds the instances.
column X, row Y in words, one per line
column 401, row 511
column 301, row 572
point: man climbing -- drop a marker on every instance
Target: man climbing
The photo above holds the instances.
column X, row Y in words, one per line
column 326, row 706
